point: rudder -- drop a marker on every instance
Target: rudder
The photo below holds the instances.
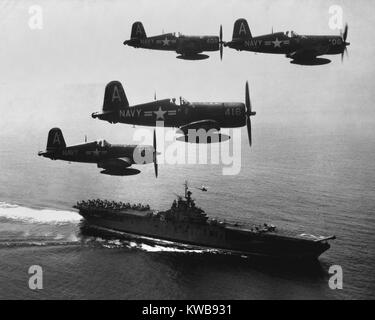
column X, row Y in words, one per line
column 241, row 30
column 114, row 97
column 138, row 31
column 55, row 140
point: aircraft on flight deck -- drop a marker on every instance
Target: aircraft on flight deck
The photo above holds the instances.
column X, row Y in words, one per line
column 302, row 49
column 188, row 47
column 113, row 158
column 183, row 115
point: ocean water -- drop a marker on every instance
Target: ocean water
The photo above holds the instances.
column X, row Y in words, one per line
column 329, row 195
column 311, row 166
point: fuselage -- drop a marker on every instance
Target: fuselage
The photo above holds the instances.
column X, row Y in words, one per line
column 226, row 114
column 283, row 43
column 180, row 44
column 99, row 151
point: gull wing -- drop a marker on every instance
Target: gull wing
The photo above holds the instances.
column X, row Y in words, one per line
column 201, row 124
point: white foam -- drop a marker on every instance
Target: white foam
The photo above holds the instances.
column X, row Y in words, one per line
column 157, row 248
column 15, row 212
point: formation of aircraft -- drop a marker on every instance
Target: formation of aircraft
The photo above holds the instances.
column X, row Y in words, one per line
column 302, row 49
column 188, row 47
column 113, row 158
column 182, row 114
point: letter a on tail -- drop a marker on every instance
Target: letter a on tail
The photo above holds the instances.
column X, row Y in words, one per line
column 241, row 30
column 114, row 97
column 55, row 140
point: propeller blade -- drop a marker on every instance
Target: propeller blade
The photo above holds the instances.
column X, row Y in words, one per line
column 155, row 156
column 155, row 95
column 344, row 52
column 221, row 42
column 249, row 112
column 247, row 98
column 248, row 124
column 345, row 35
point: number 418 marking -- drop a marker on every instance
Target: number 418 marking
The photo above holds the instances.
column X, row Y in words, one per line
column 233, row 112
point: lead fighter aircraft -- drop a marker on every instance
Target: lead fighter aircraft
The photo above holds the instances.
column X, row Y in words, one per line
column 302, row 49
column 183, row 115
column 115, row 159
column 188, row 47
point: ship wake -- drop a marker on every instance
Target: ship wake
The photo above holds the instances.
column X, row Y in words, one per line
column 50, row 216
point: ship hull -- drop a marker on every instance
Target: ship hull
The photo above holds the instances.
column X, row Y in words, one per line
column 211, row 236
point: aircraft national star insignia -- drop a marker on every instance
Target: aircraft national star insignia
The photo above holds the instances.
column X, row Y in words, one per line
column 277, row 43
column 160, row 114
column 165, row 41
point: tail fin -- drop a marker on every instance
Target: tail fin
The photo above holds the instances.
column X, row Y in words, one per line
column 138, row 32
column 241, row 30
column 114, row 97
column 55, row 140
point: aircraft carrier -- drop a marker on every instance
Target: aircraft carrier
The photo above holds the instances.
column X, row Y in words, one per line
column 186, row 223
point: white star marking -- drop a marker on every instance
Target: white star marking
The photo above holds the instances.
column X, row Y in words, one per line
column 160, row 114
column 277, row 43
column 96, row 152
column 165, row 42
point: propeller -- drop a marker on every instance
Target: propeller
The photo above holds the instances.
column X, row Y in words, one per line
column 249, row 112
column 344, row 35
column 155, row 95
column 155, row 156
column 221, row 42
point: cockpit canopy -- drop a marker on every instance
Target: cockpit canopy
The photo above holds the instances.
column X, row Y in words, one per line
column 103, row 143
column 182, row 101
column 291, row 34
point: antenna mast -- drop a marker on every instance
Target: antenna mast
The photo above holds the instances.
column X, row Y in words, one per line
column 186, row 188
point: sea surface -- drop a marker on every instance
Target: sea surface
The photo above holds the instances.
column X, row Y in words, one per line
column 311, row 167
column 322, row 186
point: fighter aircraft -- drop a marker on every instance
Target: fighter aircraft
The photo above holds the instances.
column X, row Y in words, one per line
column 202, row 188
column 188, row 47
column 302, row 49
column 183, row 115
column 114, row 159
